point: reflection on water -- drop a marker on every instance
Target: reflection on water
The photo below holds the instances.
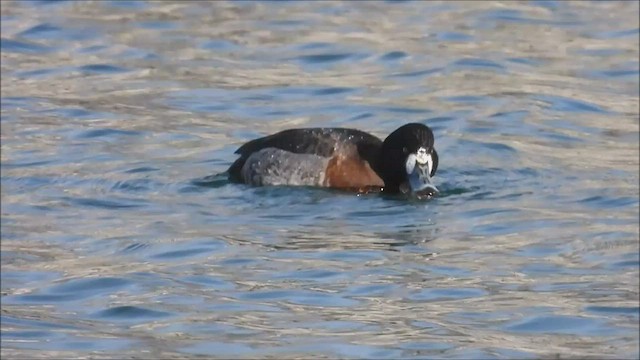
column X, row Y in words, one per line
column 119, row 239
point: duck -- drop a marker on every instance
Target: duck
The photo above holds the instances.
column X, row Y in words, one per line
column 342, row 158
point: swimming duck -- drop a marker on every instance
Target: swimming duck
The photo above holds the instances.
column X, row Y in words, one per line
column 342, row 158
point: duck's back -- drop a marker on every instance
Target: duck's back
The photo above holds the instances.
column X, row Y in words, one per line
column 302, row 156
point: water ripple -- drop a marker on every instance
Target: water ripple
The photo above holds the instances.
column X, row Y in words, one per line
column 130, row 314
column 562, row 104
column 559, row 324
column 17, row 46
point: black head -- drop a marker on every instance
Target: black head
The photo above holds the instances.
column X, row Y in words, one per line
column 408, row 159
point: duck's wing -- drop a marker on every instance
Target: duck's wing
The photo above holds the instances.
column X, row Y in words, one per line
column 317, row 141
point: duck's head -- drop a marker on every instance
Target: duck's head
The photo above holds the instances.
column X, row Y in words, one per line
column 408, row 160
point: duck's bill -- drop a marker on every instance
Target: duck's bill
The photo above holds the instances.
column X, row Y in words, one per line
column 419, row 180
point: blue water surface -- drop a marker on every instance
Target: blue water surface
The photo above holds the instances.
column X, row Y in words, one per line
column 121, row 240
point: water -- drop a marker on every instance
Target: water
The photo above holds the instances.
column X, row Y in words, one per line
column 117, row 242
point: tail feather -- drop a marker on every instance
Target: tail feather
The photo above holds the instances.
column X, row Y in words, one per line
column 235, row 170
